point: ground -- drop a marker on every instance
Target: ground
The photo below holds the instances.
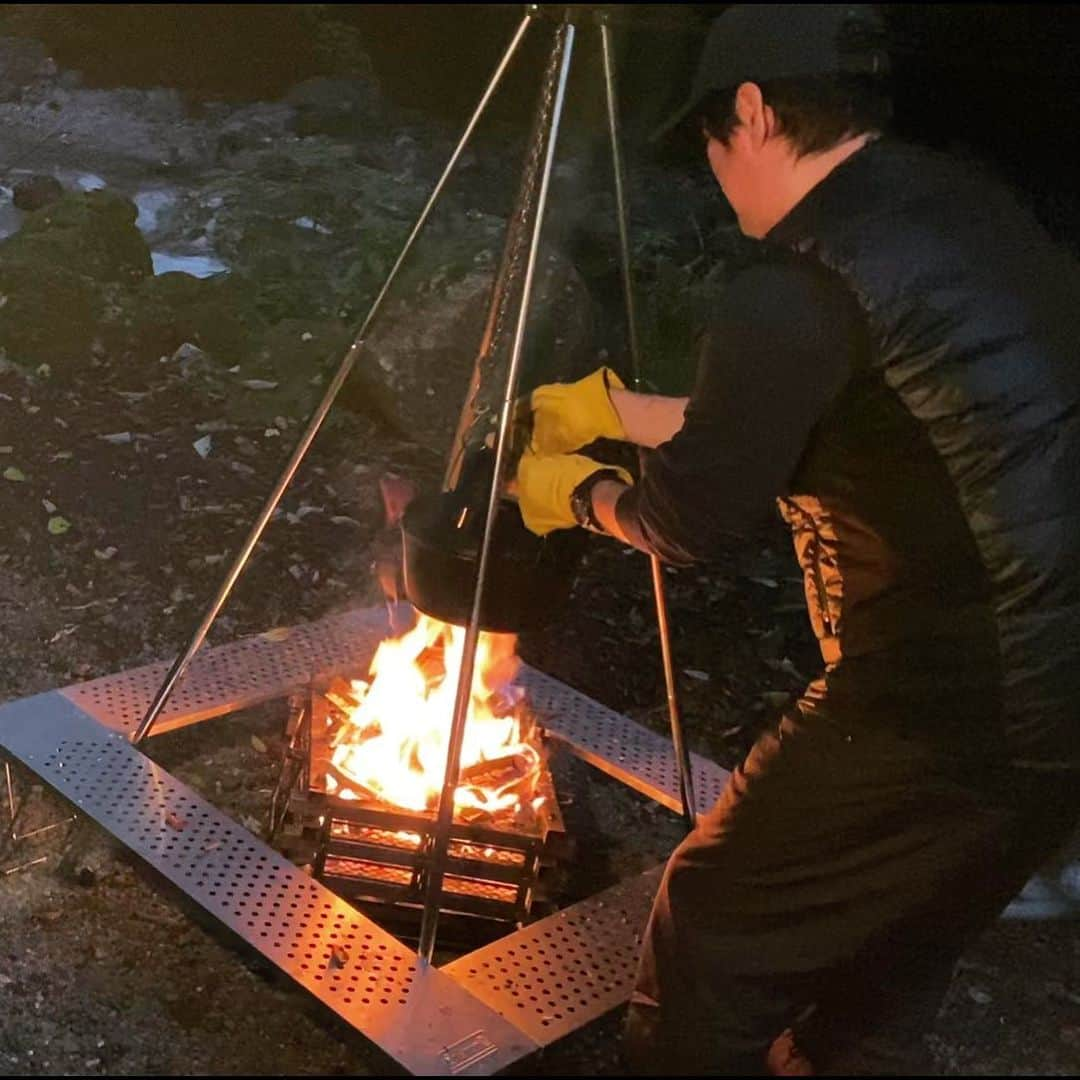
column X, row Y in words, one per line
column 105, row 973
column 125, row 487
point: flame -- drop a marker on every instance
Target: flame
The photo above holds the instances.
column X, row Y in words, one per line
column 394, row 743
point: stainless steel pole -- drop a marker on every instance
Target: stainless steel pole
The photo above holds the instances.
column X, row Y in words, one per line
column 682, row 754
column 445, row 817
column 182, row 661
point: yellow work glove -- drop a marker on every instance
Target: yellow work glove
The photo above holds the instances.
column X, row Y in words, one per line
column 545, row 483
column 568, row 416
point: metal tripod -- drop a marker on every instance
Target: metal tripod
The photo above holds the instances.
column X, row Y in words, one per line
column 558, row 68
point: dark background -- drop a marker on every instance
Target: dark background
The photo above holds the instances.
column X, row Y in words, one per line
column 998, row 82
column 1002, row 78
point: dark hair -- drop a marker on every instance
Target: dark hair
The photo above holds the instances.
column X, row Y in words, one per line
column 815, row 113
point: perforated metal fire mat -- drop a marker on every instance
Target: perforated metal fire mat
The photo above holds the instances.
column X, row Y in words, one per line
column 557, row 974
column 270, row 665
column 474, row 1017
column 419, row 1016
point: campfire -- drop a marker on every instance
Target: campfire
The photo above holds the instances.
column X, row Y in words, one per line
column 368, row 760
column 392, row 744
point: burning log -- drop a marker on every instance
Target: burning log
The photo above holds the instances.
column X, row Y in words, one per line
column 341, row 694
column 394, row 741
column 348, row 782
column 498, row 772
column 432, row 662
column 357, row 835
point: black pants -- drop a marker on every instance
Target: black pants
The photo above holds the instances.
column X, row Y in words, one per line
column 831, row 889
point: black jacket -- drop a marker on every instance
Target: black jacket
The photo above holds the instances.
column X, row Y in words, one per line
column 936, row 502
column 936, row 510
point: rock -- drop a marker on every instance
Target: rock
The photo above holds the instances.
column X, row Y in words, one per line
column 36, row 191
column 216, row 314
column 249, row 128
column 90, row 233
column 33, row 292
column 416, row 344
column 415, row 373
column 334, row 106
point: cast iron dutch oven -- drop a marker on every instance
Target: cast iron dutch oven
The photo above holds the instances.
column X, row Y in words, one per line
column 528, row 579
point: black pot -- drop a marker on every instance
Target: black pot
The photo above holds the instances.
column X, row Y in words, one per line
column 528, row 579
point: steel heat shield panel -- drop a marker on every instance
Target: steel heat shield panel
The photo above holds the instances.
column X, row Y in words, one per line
column 242, row 673
column 475, row 1016
column 224, row 678
column 572, row 967
column 619, row 746
column 416, row 1014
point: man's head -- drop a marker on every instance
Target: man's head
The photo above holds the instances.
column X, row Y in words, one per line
column 784, row 93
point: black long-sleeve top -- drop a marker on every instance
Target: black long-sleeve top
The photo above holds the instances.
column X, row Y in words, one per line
column 782, row 343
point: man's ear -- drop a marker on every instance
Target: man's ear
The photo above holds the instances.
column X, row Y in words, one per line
column 756, row 118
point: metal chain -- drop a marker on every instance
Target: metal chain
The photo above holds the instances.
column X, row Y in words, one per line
column 480, row 412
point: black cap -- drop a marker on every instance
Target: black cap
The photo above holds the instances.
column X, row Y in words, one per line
column 759, row 42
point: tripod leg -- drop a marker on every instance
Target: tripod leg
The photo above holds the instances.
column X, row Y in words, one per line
column 559, row 65
column 315, row 423
column 682, row 754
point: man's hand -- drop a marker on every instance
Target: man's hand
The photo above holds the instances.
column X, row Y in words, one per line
column 568, row 416
column 546, row 483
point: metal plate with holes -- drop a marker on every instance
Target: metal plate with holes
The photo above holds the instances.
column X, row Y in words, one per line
column 563, row 971
column 473, row 1017
column 229, row 677
column 618, row 746
column 240, row 674
column 418, row 1015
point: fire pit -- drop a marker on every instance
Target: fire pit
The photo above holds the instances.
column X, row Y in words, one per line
column 376, row 854
column 359, row 802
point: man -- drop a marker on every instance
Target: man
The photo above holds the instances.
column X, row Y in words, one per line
column 900, row 372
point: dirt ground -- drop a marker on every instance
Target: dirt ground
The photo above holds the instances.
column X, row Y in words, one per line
column 116, row 529
column 102, row 972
